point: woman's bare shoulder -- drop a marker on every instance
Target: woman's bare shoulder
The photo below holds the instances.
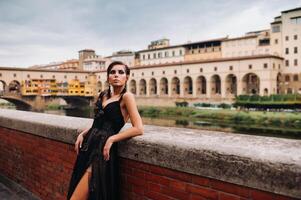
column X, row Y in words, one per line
column 128, row 95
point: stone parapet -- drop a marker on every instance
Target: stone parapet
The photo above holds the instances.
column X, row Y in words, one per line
column 264, row 163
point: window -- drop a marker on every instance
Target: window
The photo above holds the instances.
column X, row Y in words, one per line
column 15, row 75
column 132, row 74
column 187, row 70
column 250, row 66
column 295, row 49
column 265, row 65
column 287, row 78
column 142, row 73
column 276, row 41
column 154, row 55
column 276, row 29
column 215, row 68
column 180, row 52
column 295, row 62
column 166, row 53
column 53, row 76
column 143, row 57
column 296, row 20
column 41, row 75
column 201, row 69
column 286, row 38
column 287, row 63
column 159, row 55
column 28, row 76
column 286, row 51
column 173, row 53
column 163, row 72
column 175, row 71
column 65, row 76
column 295, row 37
column 231, row 68
column 296, row 78
column 152, row 73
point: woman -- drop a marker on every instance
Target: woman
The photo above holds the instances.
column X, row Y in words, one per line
column 96, row 172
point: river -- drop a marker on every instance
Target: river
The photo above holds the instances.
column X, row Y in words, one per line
column 205, row 124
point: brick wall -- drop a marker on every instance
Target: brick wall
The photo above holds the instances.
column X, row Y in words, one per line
column 44, row 167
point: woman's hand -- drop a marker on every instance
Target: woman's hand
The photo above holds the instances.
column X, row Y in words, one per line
column 78, row 143
column 106, row 149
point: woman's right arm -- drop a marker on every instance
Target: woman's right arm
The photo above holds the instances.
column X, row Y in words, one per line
column 79, row 140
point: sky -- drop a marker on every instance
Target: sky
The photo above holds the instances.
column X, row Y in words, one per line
column 36, row 32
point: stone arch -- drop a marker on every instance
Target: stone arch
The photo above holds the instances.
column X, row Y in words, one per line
column 142, row 86
column 278, row 79
column 163, row 86
column 187, row 85
column 14, row 86
column 215, row 84
column 175, row 86
column 3, row 86
column 231, row 84
column 201, row 85
column 133, row 86
column 99, row 86
column 250, row 84
column 106, row 85
column 265, row 91
column 152, row 86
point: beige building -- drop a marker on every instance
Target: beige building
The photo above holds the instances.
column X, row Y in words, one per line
column 159, row 52
column 95, row 63
column 286, row 37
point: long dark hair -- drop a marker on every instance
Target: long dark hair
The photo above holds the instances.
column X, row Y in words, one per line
column 127, row 72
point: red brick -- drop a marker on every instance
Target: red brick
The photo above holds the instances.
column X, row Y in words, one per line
column 157, row 179
column 175, row 194
column 230, row 188
column 138, row 190
column 156, row 196
column 178, row 185
column 202, row 191
column 153, row 187
column 170, row 173
column 224, row 196
column 196, row 197
column 136, row 181
column 202, row 181
column 260, row 195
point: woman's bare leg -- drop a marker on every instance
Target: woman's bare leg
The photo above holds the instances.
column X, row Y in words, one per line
column 81, row 191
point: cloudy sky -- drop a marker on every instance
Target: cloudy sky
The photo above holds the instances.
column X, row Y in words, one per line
column 43, row 31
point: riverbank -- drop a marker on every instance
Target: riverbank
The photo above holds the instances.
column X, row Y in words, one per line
column 270, row 120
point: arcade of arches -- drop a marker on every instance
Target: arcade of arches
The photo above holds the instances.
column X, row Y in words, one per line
column 201, row 86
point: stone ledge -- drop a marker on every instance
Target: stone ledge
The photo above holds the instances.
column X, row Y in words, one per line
column 269, row 164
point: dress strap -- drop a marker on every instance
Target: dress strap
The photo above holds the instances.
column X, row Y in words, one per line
column 121, row 97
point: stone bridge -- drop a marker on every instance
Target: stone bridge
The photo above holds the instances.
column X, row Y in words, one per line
column 39, row 103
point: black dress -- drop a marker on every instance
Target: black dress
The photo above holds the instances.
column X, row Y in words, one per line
column 104, row 181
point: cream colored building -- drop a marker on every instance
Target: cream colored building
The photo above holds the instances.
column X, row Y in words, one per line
column 286, row 40
column 95, row 63
column 125, row 56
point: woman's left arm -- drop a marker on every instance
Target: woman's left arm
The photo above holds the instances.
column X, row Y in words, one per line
column 135, row 130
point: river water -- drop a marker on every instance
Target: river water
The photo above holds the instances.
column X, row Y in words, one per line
column 204, row 124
